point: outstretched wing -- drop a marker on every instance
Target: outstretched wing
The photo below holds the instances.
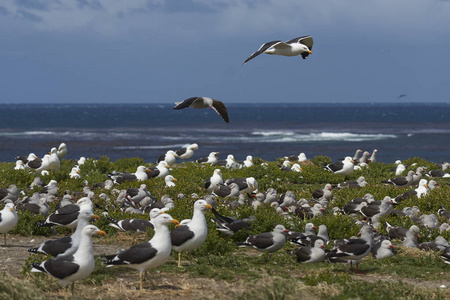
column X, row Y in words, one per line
column 261, row 49
column 220, row 108
column 185, row 103
column 306, row 40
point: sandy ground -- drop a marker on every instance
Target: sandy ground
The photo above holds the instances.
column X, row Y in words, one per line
column 157, row 285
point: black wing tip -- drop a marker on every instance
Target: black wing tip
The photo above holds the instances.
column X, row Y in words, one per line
column 112, row 262
column 38, row 267
column 43, row 224
column 247, row 60
column 115, row 221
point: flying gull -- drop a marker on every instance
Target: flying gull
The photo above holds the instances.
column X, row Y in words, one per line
column 301, row 45
column 204, row 102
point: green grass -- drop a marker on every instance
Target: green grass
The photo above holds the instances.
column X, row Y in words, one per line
column 220, row 259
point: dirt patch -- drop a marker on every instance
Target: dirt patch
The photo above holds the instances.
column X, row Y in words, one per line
column 163, row 285
column 429, row 284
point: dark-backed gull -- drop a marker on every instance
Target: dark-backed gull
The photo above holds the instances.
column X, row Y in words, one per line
column 205, row 102
column 301, row 45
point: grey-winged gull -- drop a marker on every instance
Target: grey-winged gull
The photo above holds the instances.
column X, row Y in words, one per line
column 268, row 241
column 352, row 249
column 383, row 249
column 311, row 254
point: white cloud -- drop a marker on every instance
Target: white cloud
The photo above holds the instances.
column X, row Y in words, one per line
column 205, row 18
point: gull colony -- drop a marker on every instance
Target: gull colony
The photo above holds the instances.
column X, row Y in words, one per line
column 126, row 201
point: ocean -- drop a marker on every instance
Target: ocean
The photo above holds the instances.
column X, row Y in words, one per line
column 267, row 131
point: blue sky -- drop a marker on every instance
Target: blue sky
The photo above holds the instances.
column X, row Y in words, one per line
column 111, row 51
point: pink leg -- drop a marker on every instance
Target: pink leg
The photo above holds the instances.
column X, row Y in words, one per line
column 357, row 264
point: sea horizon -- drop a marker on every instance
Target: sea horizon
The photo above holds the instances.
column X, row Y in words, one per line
column 265, row 130
column 393, row 102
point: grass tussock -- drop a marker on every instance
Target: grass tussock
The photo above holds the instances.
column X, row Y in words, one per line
column 12, row 288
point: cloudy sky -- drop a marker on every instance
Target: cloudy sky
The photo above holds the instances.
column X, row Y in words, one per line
column 143, row 51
